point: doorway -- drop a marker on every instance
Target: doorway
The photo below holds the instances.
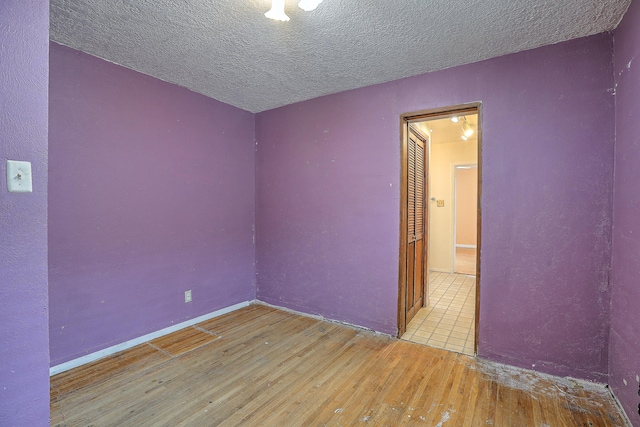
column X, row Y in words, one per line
column 438, row 290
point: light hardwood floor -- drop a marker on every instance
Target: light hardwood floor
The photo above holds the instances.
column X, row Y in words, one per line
column 259, row 366
column 465, row 261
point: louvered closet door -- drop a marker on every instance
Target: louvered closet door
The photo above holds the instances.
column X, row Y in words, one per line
column 416, row 147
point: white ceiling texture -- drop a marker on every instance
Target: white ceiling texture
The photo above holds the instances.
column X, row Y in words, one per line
column 228, row 49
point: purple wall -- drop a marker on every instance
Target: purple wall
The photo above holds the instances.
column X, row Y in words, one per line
column 24, row 341
column 152, row 192
column 624, row 347
column 328, row 202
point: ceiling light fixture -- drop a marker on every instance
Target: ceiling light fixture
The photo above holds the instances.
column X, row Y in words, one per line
column 455, row 119
column 309, row 5
column 466, row 128
column 277, row 8
column 277, row 11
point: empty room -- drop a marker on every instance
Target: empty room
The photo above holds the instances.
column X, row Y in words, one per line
column 250, row 213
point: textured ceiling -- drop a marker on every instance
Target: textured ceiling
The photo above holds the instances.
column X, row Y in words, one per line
column 228, row 50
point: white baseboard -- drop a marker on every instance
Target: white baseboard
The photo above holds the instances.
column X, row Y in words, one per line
column 466, row 246
column 320, row 317
column 136, row 341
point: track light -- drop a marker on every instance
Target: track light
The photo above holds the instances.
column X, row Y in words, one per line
column 277, row 11
column 466, row 129
column 309, row 5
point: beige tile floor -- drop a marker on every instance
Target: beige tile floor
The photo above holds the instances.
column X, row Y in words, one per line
column 448, row 322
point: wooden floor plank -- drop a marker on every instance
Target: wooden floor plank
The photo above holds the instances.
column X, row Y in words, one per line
column 326, row 381
column 281, row 355
column 57, row 416
column 287, row 381
column 242, row 320
column 468, row 393
column 270, row 367
column 92, row 374
column 346, row 404
column 473, row 387
column 331, row 393
column 397, row 395
column 522, row 412
column 183, row 341
column 294, row 378
column 455, row 404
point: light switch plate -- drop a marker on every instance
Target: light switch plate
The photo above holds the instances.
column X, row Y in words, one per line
column 19, row 177
column 440, row 203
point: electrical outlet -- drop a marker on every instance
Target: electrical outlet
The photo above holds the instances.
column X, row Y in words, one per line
column 187, row 296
